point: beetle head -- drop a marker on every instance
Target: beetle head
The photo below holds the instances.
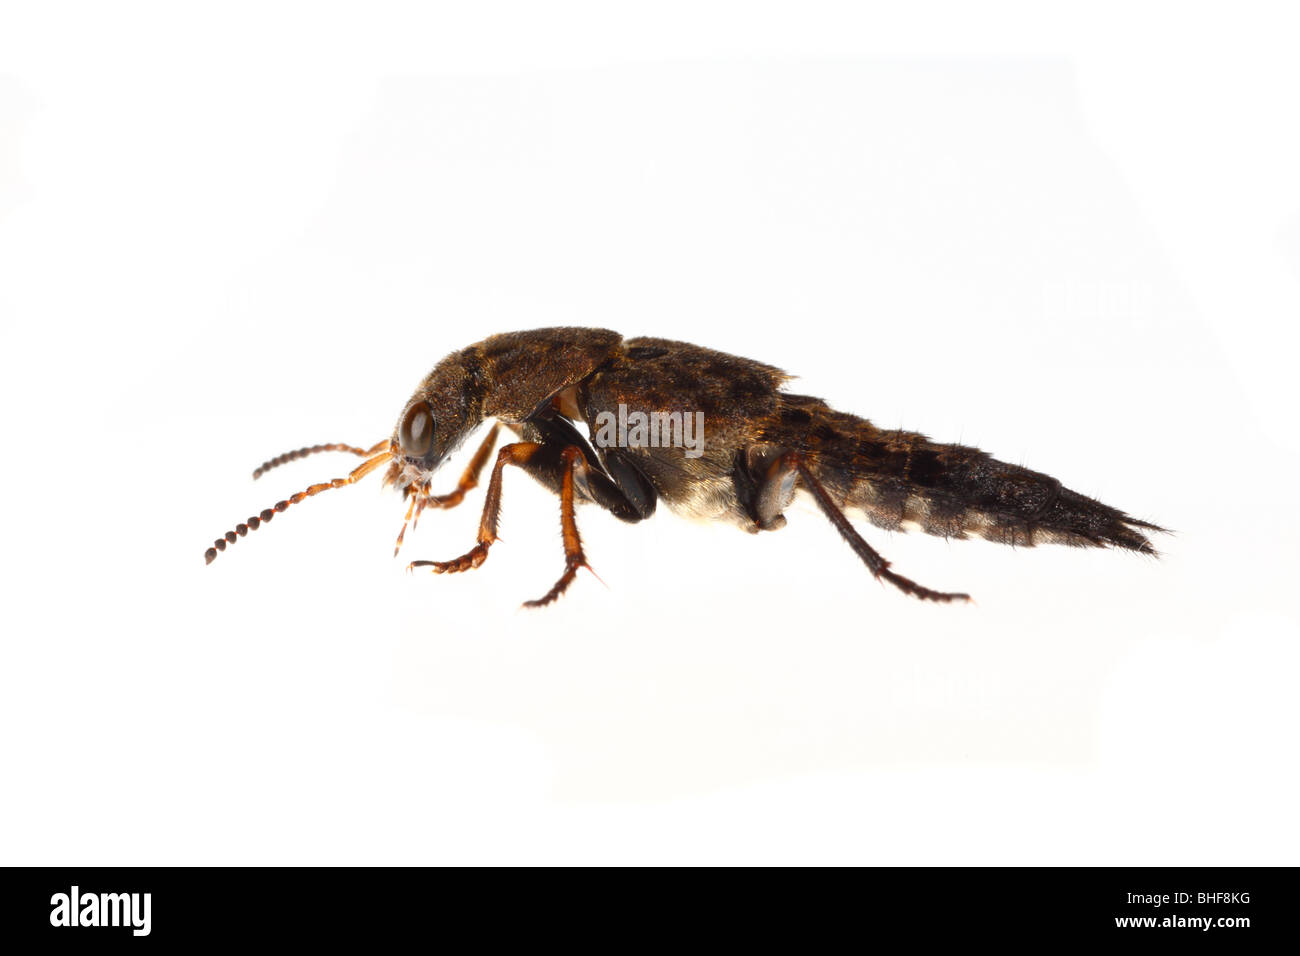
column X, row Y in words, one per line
column 442, row 412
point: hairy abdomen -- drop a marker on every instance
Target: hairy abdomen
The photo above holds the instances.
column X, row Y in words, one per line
column 903, row 480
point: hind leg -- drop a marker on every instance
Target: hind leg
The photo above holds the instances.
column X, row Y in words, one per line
column 764, row 477
column 869, row 555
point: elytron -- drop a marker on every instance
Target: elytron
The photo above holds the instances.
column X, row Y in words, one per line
column 760, row 447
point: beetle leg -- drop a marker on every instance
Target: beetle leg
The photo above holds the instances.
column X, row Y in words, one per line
column 870, row 556
column 468, row 481
column 518, row 453
column 420, row 497
column 776, row 492
column 623, row 492
column 574, row 558
column 565, row 469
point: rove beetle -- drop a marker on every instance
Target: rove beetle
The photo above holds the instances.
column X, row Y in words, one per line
column 712, row 435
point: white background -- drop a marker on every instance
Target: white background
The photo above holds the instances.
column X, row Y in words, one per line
column 1068, row 237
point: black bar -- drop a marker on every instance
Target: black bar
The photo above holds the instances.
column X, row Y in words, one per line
column 237, row 905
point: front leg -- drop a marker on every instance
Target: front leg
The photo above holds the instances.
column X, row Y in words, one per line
column 566, row 468
column 542, row 462
column 420, row 497
column 468, row 480
column 519, row 453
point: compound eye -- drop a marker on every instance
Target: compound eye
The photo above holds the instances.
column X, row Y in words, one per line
column 416, row 435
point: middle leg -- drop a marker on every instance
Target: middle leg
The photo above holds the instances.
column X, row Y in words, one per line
column 574, row 558
column 566, row 468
